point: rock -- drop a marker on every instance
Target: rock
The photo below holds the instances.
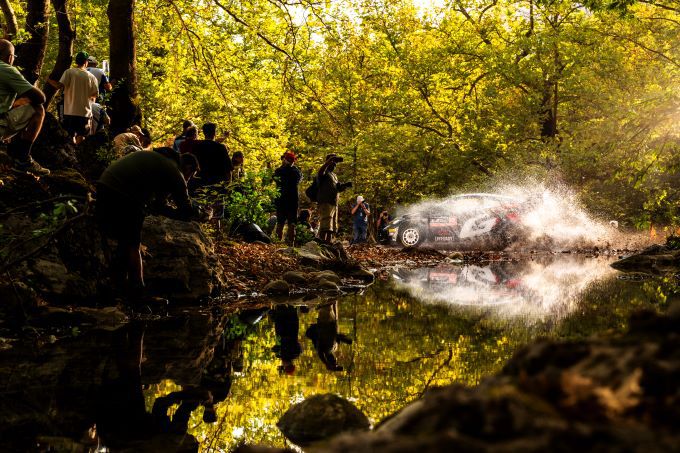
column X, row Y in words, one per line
column 326, row 275
column 180, row 261
column 277, row 287
column 313, row 253
column 657, row 259
column 16, row 301
column 328, row 285
column 251, row 232
column 363, row 274
column 295, row 278
column 320, row 417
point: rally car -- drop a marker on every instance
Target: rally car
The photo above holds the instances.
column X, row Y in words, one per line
column 478, row 220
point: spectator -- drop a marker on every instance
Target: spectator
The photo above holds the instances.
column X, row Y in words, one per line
column 135, row 139
column 287, row 178
column 180, row 138
column 102, row 79
column 328, row 197
column 237, row 164
column 100, row 119
column 213, row 157
column 271, row 223
column 360, row 212
column 80, row 90
column 124, row 191
column 21, row 113
column 190, row 140
column 380, row 224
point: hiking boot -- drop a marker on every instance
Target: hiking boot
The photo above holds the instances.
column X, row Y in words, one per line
column 30, row 166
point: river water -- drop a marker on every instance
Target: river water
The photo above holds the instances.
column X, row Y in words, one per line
column 226, row 378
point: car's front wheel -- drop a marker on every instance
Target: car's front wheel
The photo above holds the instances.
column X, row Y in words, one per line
column 411, row 236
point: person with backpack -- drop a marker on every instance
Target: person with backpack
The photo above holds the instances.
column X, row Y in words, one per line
column 328, row 195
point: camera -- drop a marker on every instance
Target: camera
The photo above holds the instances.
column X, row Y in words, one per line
column 338, row 159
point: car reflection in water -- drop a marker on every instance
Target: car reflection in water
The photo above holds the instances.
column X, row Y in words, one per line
column 537, row 288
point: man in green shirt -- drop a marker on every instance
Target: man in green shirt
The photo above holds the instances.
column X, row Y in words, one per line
column 21, row 113
column 127, row 189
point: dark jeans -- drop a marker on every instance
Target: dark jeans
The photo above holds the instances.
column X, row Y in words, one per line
column 360, row 233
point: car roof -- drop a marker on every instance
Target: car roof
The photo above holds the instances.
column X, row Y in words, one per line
column 486, row 195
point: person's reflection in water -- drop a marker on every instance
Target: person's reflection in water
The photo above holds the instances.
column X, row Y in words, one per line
column 325, row 335
column 215, row 382
column 287, row 328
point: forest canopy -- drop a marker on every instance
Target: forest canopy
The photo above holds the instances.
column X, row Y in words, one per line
column 422, row 98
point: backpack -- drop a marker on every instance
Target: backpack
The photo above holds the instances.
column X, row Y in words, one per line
column 312, row 191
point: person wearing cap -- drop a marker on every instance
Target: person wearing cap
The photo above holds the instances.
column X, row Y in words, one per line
column 328, row 197
column 134, row 139
column 99, row 74
column 360, row 213
column 21, row 113
column 287, row 178
column 80, row 91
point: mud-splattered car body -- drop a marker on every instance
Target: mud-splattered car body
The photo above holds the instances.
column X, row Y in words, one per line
column 477, row 220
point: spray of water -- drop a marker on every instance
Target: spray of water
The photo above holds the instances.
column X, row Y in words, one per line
column 551, row 217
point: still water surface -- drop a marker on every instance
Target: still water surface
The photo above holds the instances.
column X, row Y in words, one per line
column 415, row 330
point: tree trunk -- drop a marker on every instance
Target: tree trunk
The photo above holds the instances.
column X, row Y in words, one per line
column 549, row 110
column 31, row 53
column 11, row 27
column 124, row 109
column 65, row 55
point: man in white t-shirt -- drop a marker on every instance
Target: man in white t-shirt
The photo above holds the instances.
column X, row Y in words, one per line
column 80, row 90
column 99, row 74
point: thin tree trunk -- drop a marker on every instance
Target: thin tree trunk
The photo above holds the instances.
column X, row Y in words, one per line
column 11, row 26
column 124, row 109
column 31, row 54
column 65, row 55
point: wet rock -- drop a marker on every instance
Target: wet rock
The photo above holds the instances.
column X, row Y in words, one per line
column 657, row 259
column 328, row 285
column 326, row 275
column 295, row 278
column 277, row 287
column 363, row 274
column 180, row 262
column 321, row 417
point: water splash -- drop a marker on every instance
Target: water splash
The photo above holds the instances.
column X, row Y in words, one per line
column 550, row 218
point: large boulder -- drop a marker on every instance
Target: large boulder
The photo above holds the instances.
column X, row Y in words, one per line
column 180, row 260
column 320, row 417
column 657, row 259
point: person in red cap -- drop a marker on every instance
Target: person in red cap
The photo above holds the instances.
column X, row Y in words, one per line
column 287, row 178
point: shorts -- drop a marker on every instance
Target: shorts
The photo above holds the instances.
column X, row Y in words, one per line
column 119, row 218
column 15, row 120
column 76, row 125
column 328, row 217
column 287, row 213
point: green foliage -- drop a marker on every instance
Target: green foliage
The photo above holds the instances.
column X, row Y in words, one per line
column 249, row 199
column 420, row 99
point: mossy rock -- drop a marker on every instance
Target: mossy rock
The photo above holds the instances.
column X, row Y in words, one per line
column 295, row 277
column 277, row 287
